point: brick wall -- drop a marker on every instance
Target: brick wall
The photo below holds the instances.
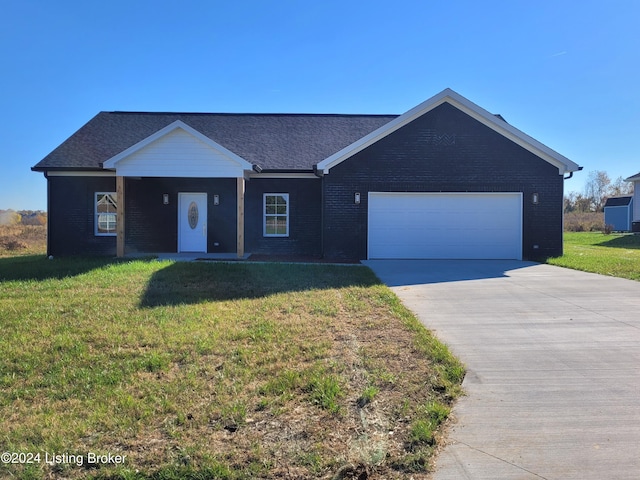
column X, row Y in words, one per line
column 443, row 151
column 72, row 219
column 152, row 226
column 304, row 216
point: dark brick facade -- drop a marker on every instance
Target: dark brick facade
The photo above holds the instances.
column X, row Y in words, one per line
column 71, row 216
column 152, row 227
column 304, row 216
column 445, row 150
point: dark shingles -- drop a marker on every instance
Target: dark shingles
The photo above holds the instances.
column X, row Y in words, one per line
column 618, row 201
column 272, row 141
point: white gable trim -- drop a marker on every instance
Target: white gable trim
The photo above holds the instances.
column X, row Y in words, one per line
column 239, row 162
column 563, row 164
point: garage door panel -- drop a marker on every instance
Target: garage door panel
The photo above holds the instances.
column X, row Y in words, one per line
column 445, row 225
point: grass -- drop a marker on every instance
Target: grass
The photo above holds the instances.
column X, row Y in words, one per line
column 613, row 255
column 227, row 371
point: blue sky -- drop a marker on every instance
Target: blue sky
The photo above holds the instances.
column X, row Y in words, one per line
column 565, row 72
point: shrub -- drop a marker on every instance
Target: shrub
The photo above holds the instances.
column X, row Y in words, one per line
column 584, row 222
column 13, row 244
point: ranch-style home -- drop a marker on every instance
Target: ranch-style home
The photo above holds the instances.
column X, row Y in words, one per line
column 447, row 179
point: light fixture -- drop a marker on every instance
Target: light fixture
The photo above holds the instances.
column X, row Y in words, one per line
column 165, row 198
column 535, row 198
column 356, row 198
column 216, row 199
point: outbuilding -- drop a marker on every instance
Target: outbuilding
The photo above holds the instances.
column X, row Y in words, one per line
column 618, row 213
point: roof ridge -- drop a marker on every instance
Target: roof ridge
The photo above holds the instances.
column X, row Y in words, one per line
column 124, row 112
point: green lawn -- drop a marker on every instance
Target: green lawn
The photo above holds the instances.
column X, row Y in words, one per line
column 614, row 255
column 199, row 370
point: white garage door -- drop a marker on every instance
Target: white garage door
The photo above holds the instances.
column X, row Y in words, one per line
column 445, row 225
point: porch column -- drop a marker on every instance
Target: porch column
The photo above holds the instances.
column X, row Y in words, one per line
column 240, row 216
column 120, row 216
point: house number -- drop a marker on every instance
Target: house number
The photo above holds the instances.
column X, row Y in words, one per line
column 193, row 215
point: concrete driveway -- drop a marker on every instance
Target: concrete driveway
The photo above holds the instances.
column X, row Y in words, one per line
column 553, row 360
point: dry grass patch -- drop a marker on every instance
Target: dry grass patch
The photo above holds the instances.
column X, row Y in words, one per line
column 217, row 371
column 22, row 239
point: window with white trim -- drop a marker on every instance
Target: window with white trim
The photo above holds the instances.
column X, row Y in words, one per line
column 106, row 213
column 276, row 215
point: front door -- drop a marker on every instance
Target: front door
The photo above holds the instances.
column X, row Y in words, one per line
column 192, row 222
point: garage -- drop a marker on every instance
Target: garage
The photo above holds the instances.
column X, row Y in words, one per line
column 445, row 225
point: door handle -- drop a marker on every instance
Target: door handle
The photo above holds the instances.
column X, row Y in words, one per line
column 204, row 230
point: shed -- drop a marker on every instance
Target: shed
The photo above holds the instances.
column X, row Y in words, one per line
column 618, row 211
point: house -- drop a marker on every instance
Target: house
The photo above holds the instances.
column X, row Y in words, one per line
column 618, row 213
column 447, row 179
column 635, row 222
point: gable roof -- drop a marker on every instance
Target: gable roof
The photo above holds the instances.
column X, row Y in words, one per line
column 169, row 129
column 270, row 141
column 633, row 178
column 621, row 201
column 495, row 122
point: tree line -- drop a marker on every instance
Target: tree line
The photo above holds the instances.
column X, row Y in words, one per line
column 23, row 217
column 597, row 190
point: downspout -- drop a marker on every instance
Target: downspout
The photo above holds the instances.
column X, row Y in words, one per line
column 322, row 217
column 48, row 214
column 319, row 174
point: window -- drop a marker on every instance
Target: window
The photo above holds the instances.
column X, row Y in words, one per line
column 106, row 213
column 276, row 215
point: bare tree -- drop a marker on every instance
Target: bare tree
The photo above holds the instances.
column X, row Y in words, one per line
column 597, row 189
column 620, row 187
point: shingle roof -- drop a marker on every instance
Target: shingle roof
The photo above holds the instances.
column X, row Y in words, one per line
column 271, row 141
column 633, row 177
column 618, row 201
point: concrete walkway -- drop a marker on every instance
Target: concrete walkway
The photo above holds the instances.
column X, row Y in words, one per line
column 553, row 359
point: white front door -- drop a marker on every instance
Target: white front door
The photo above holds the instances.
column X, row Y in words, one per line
column 192, row 222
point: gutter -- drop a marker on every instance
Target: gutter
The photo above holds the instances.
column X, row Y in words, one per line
column 571, row 173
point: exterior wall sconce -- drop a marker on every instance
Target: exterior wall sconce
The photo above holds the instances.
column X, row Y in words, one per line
column 165, row 198
column 356, row 198
column 216, row 199
column 535, row 198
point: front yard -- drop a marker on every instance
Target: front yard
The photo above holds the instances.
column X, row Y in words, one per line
column 173, row 370
column 615, row 255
